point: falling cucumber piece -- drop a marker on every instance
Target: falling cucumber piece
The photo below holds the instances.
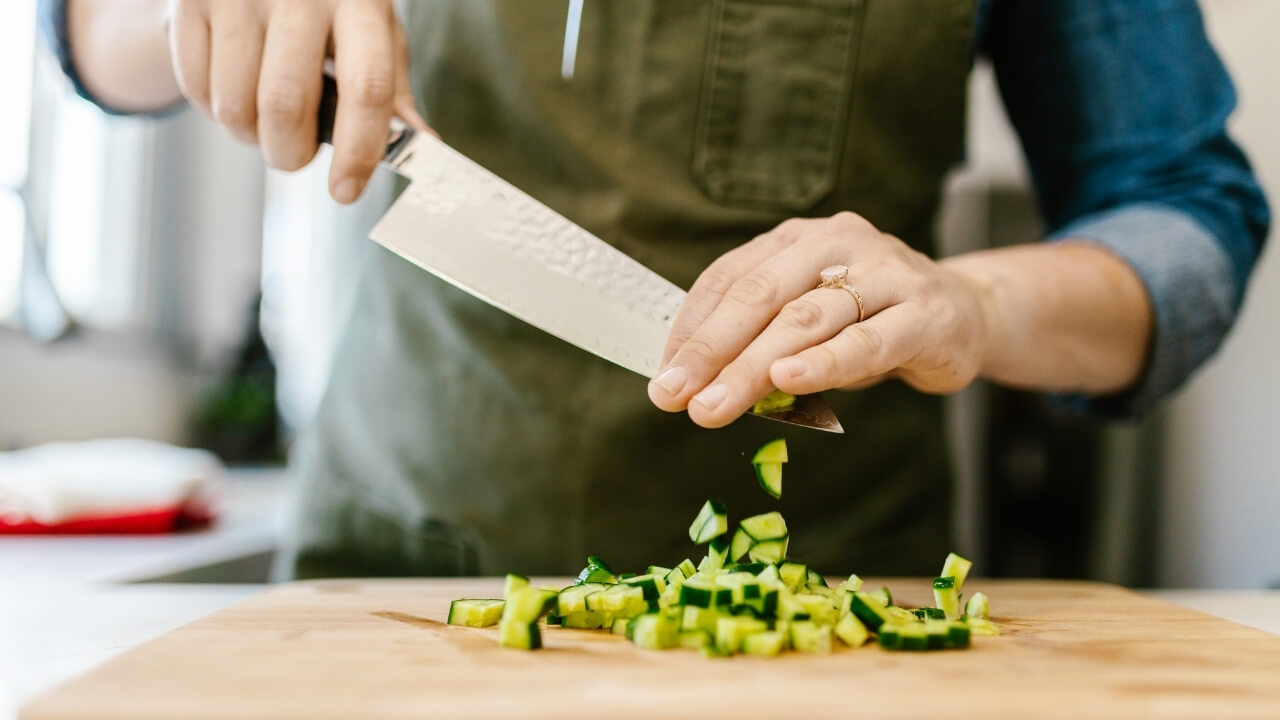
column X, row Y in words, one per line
column 773, row 402
column 740, row 545
column 711, row 523
column 978, row 606
column 770, row 477
column 774, row 451
column 957, row 567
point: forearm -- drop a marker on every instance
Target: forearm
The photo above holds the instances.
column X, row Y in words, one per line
column 121, row 52
column 1065, row 316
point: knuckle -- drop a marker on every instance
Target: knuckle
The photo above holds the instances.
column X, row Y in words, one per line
column 868, row 340
column 715, row 280
column 825, row 359
column 756, row 289
column 373, row 89
column 237, row 115
column 284, row 105
column 802, row 315
column 699, row 349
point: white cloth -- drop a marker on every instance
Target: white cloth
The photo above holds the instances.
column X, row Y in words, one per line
column 62, row 481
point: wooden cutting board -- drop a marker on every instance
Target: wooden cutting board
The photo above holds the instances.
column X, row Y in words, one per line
column 380, row 649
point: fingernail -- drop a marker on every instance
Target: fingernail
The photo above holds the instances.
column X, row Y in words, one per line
column 712, row 396
column 347, row 191
column 794, row 367
column 672, row 380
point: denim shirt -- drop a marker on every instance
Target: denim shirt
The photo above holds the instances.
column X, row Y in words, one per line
column 1121, row 107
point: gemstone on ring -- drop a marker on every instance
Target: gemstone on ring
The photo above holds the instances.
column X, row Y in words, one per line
column 834, row 275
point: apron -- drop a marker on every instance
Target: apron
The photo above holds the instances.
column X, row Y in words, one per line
column 454, row 439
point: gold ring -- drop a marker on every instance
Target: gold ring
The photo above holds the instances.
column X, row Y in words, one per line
column 836, row 276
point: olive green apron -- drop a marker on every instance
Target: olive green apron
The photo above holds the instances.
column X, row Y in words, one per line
column 454, row 439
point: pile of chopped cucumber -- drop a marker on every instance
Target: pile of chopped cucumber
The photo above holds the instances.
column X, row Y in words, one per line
column 745, row 596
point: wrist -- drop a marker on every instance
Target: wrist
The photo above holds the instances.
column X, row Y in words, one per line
column 990, row 323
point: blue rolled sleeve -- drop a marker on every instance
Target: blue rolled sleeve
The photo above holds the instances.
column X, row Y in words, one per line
column 1121, row 108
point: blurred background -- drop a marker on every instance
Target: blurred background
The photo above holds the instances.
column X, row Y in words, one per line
column 156, row 281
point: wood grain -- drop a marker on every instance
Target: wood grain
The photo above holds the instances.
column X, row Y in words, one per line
column 379, row 649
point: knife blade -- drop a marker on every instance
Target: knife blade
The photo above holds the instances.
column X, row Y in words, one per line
column 483, row 235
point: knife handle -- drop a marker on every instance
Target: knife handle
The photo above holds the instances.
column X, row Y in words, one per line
column 398, row 134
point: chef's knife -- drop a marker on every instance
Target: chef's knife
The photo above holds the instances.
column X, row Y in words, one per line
column 474, row 230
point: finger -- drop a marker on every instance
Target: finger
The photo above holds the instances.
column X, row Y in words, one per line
column 709, row 289
column 189, row 50
column 365, row 59
column 235, row 54
column 860, row 352
column 747, row 307
column 406, row 108
column 812, row 319
column 290, row 81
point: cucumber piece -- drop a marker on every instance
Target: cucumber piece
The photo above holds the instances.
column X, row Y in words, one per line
column 947, row 597
column 712, row 522
column 764, row 644
column 889, row 638
column 818, row 608
column 741, row 544
column 793, row 575
column 983, row 627
column 657, row 570
column 769, row 475
column 654, row 631
column 813, row 577
column 769, row 574
column 769, row 551
column 731, row 630
column 929, row 613
column 519, row 635
column 619, row 626
column 694, row 639
column 809, row 636
column 884, row 596
column 653, row 585
column 574, row 598
column 853, row 584
column 914, row 637
column 869, row 609
column 697, row 593
column 774, row 402
column 696, row 618
column 687, row 567
column 717, row 551
column 774, row 451
column 585, row 620
column 978, row 606
column 958, row 635
column 514, row 582
column 851, row 631
column 475, row 613
column 748, row 567
column 622, row 600
column 956, row 567
column 529, row 604
column 768, row 526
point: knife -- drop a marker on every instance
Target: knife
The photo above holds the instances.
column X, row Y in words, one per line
column 483, row 235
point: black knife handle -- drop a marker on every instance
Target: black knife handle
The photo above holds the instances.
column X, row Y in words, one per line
column 397, row 134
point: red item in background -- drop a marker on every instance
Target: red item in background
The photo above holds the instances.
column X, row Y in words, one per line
column 138, row 522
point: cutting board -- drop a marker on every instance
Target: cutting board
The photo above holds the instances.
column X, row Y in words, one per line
column 380, row 649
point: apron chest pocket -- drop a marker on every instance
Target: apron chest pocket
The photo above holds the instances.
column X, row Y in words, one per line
column 774, row 103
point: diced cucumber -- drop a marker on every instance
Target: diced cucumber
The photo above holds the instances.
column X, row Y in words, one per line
column 687, row 567
column 764, row 644
column 674, row 577
column 694, row 639
column 978, row 606
column 851, row 631
column 774, row 451
column 869, row 609
column 730, row 630
column 657, row 570
column 853, row 584
column 753, row 568
column 956, row 567
column 717, row 550
column 528, row 604
column 769, row 573
column 946, row 597
column 573, row 598
column 809, row 636
column 913, row 636
column 929, row 613
column 712, row 522
column 696, row 618
column 519, row 635
column 900, row 615
column 622, row 600
column 813, row 577
column 475, row 613
column 619, row 626
column 654, row 631
column 793, row 575
column 767, row 526
column 769, row 551
column 697, row 593
column 958, row 635
column 514, row 582
column 981, row 626
column 741, row 544
column 774, row 402
column 585, row 620
column 653, row 585
column 769, row 475
column 818, row 608
column 884, row 596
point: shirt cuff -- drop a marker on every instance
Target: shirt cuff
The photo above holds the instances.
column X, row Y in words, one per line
column 1188, row 276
